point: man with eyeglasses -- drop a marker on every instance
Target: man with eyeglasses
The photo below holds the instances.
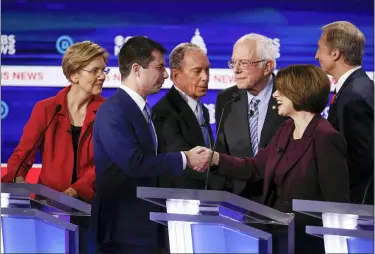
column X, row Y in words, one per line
column 250, row 122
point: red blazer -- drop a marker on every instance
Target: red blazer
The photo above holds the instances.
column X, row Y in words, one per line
column 317, row 171
column 57, row 147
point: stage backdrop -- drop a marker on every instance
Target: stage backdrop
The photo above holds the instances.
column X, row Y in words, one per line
column 35, row 34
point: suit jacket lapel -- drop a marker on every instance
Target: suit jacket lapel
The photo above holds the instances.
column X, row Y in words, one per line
column 282, row 146
column 241, row 122
column 63, row 115
column 187, row 116
column 271, row 117
column 92, row 108
column 332, row 108
column 358, row 73
column 131, row 106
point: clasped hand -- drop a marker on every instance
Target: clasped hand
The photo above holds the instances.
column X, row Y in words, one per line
column 198, row 158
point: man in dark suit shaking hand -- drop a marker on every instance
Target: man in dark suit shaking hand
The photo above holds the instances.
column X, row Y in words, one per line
column 125, row 153
column 181, row 120
column 340, row 52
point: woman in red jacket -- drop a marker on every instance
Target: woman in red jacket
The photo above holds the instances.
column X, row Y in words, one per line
column 66, row 149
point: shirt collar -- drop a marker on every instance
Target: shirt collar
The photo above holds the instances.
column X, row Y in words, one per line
column 344, row 77
column 190, row 101
column 264, row 95
column 141, row 103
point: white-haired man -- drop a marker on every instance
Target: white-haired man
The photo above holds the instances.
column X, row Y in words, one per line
column 250, row 122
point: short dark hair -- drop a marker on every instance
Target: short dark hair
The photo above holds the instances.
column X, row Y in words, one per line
column 139, row 50
column 306, row 85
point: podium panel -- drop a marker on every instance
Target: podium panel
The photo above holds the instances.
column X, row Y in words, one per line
column 224, row 240
column 42, row 237
column 360, row 245
column 36, row 219
column 347, row 228
column 205, row 221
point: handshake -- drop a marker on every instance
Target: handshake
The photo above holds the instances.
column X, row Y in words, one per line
column 199, row 158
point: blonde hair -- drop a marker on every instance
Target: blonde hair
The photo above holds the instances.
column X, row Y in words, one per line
column 348, row 39
column 79, row 55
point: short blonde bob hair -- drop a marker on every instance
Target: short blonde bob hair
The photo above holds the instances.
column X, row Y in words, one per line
column 79, row 55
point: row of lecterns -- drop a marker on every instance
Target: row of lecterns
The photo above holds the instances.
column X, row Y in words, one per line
column 36, row 219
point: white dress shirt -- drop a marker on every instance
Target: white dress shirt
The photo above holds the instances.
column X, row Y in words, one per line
column 344, row 77
column 141, row 103
column 198, row 112
column 190, row 101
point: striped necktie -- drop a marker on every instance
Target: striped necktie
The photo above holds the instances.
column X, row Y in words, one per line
column 202, row 123
column 253, row 124
column 147, row 110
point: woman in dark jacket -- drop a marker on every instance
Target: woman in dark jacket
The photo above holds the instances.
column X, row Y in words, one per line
column 307, row 156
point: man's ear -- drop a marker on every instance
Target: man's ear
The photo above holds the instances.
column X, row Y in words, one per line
column 175, row 74
column 335, row 54
column 268, row 67
column 136, row 68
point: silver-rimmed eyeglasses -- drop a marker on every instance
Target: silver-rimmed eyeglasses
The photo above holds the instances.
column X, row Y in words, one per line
column 98, row 72
column 244, row 64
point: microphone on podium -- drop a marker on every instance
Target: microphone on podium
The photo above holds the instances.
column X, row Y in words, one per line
column 235, row 97
column 57, row 109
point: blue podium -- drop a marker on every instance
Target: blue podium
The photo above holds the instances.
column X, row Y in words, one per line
column 347, row 228
column 207, row 221
column 36, row 219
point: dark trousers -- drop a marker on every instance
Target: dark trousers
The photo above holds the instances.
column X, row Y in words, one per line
column 303, row 243
column 86, row 245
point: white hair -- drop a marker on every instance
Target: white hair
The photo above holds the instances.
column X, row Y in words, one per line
column 265, row 48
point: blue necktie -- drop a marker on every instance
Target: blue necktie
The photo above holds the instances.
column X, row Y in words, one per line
column 147, row 110
column 203, row 124
column 253, row 124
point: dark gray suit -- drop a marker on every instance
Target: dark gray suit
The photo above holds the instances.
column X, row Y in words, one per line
column 352, row 114
column 178, row 130
column 234, row 136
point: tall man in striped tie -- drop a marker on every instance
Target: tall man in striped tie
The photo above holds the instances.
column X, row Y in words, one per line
column 249, row 123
